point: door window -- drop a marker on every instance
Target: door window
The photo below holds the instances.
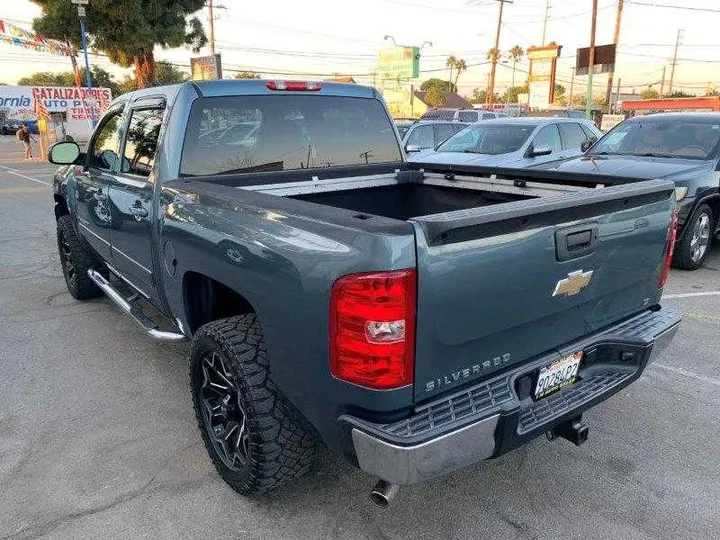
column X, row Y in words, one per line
column 422, row 136
column 443, row 132
column 104, row 153
column 572, row 135
column 467, row 116
column 141, row 141
column 548, row 136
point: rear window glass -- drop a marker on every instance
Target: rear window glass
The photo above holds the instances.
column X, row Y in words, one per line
column 243, row 134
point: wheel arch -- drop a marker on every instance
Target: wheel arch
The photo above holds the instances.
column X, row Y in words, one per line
column 206, row 299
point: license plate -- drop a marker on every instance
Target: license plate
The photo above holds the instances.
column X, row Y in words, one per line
column 558, row 375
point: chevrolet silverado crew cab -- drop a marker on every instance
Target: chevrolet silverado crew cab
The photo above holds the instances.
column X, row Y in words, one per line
column 413, row 319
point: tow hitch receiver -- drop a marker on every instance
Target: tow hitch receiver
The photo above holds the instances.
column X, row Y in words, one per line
column 575, row 431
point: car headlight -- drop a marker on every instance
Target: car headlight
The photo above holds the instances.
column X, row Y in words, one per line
column 680, row 193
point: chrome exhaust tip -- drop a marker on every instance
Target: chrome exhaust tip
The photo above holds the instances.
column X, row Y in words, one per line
column 383, row 493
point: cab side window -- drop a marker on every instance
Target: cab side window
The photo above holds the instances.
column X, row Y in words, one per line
column 572, row 135
column 141, row 141
column 422, row 136
column 104, row 154
column 548, row 136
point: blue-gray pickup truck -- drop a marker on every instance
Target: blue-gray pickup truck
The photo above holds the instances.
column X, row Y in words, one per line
column 414, row 319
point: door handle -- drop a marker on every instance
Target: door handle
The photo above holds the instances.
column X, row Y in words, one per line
column 139, row 212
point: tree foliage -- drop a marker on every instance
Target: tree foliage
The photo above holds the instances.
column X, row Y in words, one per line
column 246, row 75
column 446, row 86
column 98, row 76
column 126, row 30
column 435, row 96
column 480, row 96
column 516, row 53
column 493, row 54
column 680, row 94
column 649, row 93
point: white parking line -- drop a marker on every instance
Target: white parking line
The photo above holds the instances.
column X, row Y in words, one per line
column 692, row 294
column 691, row 374
column 16, row 173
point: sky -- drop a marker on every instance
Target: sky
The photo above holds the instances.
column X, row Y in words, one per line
column 318, row 38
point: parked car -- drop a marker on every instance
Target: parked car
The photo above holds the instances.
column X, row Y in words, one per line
column 461, row 115
column 682, row 147
column 10, row 127
column 403, row 125
column 513, row 142
column 429, row 134
column 412, row 320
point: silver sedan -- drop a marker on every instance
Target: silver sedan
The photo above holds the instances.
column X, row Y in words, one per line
column 512, row 142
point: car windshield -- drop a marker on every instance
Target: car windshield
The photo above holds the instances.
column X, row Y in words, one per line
column 676, row 138
column 488, row 139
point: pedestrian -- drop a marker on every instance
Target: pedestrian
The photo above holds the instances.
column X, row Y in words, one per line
column 23, row 135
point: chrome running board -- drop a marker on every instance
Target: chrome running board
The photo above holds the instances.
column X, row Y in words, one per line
column 126, row 305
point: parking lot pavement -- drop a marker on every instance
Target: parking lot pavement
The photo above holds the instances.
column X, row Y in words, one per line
column 98, row 437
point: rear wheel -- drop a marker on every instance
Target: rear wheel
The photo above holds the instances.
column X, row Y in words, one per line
column 76, row 259
column 255, row 437
column 692, row 249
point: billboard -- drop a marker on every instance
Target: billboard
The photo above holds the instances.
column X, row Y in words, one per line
column 203, row 68
column 604, row 59
column 399, row 63
column 543, row 65
column 71, row 108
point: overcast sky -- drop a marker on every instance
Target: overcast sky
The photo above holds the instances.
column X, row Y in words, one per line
column 330, row 36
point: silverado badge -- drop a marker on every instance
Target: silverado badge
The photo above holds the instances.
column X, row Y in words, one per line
column 573, row 283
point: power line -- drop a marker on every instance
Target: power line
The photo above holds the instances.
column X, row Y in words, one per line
column 667, row 6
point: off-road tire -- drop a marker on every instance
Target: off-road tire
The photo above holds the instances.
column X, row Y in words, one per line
column 76, row 259
column 682, row 258
column 281, row 443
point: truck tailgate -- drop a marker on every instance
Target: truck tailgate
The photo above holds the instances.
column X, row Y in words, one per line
column 501, row 284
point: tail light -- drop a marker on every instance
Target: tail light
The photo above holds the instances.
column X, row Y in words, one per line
column 294, row 86
column 372, row 329
column 669, row 249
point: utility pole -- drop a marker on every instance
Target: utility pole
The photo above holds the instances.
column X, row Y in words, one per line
column 545, row 21
column 662, row 82
column 617, row 96
column 616, row 38
column 591, row 61
column 491, row 85
column 572, row 88
column 211, row 21
column 672, row 68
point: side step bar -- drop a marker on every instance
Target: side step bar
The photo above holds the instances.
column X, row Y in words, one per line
column 138, row 316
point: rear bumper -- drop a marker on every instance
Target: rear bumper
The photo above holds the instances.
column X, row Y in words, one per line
column 493, row 417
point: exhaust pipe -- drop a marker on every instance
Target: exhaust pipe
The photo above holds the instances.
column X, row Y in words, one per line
column 383, row 493
column 575, row 431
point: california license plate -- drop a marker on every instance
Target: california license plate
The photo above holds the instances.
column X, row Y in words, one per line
column 557, row 375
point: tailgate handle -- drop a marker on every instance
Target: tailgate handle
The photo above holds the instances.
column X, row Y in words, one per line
column 575, row 242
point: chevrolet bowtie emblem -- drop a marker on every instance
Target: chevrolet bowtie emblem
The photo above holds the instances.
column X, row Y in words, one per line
column 573, row 283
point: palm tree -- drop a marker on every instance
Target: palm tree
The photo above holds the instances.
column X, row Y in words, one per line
column 451, row 62
column 460, row 66
column 516, row 53
column 493, row 54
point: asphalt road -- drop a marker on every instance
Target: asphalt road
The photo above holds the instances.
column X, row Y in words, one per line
column 98, row 437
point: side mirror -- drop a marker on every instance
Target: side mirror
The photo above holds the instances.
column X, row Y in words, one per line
column 63, row 153
column 540, row 151
column 585, row 145
column 412, row 148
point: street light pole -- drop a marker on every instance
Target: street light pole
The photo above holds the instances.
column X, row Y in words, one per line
column 81, row 6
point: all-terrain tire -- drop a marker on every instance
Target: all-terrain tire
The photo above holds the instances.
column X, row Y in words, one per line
column 281, row 442
column 76, row 259
column 686, row 257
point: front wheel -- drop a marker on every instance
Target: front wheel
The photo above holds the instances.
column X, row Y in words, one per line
column 76, row 259
column 692, row 249
column 255, row 437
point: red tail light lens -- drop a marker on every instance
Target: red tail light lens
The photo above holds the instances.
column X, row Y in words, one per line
column 669, row 249
column 294, row 86
column 372, row 329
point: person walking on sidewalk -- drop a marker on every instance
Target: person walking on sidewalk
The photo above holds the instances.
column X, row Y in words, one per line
column 23, row 135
